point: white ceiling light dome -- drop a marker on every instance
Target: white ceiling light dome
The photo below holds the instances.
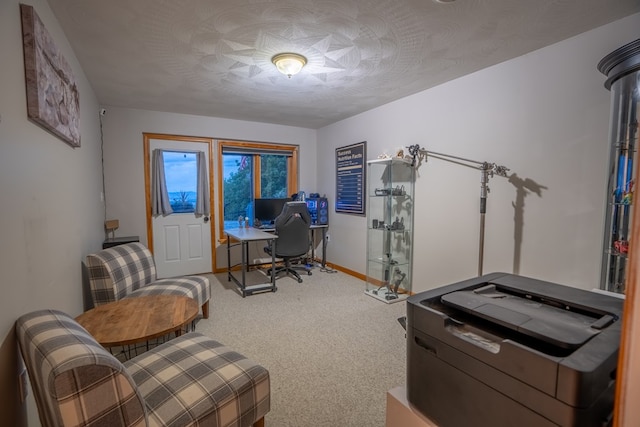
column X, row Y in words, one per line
column 289, row 64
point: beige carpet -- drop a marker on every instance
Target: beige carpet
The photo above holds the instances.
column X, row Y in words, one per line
column 332, row 351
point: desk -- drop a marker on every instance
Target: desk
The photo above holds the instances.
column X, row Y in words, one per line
column 115, row 241
column 244, row 236
column 138, row 319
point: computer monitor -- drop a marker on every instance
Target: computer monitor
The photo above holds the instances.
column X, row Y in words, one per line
column 267, row 210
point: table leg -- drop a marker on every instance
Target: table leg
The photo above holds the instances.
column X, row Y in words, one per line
column 313, row 246
column 273, row 265
column 324, row 247
column 228, row 258
column 245, row 251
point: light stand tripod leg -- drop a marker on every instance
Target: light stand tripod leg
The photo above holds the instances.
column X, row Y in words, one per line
column 481, row 244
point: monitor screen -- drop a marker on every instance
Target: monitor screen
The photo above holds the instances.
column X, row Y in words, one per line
column 267, row 210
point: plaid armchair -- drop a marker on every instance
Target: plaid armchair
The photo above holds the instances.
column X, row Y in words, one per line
column 129, row 270
column 189, row 381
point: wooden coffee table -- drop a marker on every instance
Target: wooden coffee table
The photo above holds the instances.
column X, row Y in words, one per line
column 138, row 319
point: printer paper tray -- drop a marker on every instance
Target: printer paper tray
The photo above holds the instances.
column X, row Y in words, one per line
column 558, row 326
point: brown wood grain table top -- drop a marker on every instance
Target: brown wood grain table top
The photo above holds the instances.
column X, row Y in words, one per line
column 138, row 319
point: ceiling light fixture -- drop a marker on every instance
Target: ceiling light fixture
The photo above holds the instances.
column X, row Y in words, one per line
column 289, row 64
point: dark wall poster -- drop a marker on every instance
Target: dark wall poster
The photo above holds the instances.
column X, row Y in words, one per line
column 350, row 178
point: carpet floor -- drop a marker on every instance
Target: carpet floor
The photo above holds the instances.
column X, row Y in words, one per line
column 332, row 352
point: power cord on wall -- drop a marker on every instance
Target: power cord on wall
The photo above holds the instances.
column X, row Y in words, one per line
column 101, row 114
column 326, row 269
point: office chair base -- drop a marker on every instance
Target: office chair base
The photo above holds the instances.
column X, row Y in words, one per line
column 288, row 271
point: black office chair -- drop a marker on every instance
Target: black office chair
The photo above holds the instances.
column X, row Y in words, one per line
column 292, row 228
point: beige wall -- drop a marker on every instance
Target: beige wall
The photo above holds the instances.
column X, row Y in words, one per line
column 52, row 214
column 123, row 153
column 545, row 116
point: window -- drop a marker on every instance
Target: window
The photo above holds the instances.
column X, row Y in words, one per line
column 253, row 170
column 181, row 175
column 273, row 176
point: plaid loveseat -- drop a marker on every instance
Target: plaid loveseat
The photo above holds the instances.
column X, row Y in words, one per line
column 129, row 270
column 189, row 381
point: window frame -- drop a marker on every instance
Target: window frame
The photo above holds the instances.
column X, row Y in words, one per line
column 258, row 148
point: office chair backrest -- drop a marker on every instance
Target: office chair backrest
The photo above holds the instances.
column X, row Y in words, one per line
column 292, row 228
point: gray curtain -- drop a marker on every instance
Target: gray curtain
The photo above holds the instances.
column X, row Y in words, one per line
column 202, row 198
column 160, row 204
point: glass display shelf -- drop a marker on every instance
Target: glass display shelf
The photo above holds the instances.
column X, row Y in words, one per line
column 623, row 80
column 390, row 196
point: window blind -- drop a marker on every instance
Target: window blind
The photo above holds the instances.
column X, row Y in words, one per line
column 256, row 151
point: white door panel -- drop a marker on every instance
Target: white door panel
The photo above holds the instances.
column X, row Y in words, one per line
column 195, row 251
column 171, row 244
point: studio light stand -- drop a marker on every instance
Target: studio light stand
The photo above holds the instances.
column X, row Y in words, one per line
column 487, row 170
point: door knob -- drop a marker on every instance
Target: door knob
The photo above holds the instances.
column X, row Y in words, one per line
column 206, row 219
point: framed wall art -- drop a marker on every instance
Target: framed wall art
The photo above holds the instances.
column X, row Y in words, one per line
column 351, row 178
column 53, row 101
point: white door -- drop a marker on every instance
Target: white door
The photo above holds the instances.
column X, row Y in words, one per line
column 181, row 240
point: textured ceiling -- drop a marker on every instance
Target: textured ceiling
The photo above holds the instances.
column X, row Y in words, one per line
column 213, row 57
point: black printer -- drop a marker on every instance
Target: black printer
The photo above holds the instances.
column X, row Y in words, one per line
column 506, row 350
